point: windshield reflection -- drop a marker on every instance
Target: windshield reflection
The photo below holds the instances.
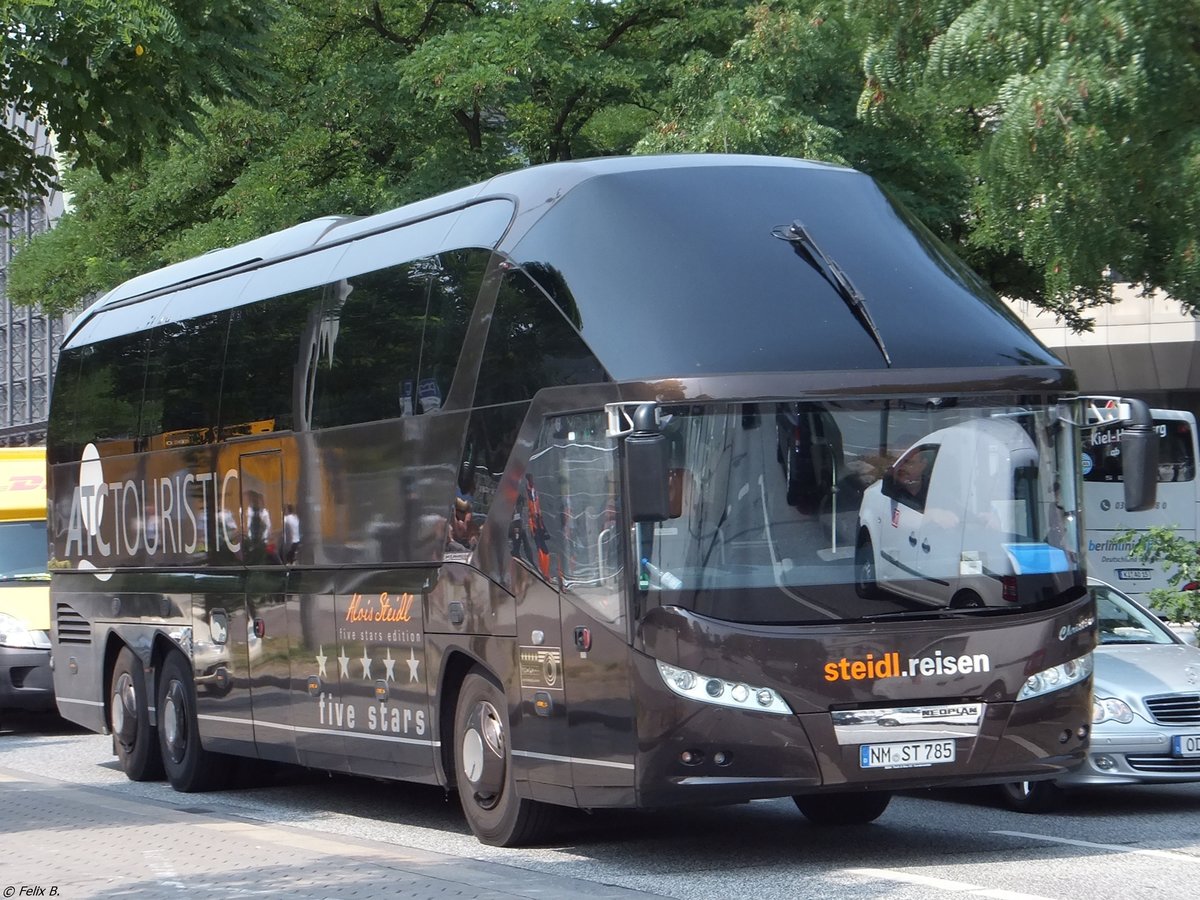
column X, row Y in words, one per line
column 805, row 511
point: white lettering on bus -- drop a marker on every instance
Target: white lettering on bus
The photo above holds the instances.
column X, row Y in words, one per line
column 110, row 517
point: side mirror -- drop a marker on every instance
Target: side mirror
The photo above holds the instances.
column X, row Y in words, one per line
column 647, row 469
column 1139, row 457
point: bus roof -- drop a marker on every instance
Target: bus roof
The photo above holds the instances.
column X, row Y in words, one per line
column 698, row 265
column 527, row 187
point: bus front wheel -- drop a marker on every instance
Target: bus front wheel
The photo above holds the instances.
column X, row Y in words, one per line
column 135, row 741
column 190, row 768
column 843, row 809
column 486, row 790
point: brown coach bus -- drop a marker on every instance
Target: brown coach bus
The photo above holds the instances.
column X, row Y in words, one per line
column 616, row 483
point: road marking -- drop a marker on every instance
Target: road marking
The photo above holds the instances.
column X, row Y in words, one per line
column 943, row 884
column 1120, row 848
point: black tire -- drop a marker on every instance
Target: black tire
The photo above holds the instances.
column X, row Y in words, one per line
column 966, row 600
column 190, row 768
column 843, row 809
column 793, row 489
column 864, row 568
column 135, row 740
column 483, row 770
column 1031, row 796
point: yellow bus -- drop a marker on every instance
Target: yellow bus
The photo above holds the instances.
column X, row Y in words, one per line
column 25, row 680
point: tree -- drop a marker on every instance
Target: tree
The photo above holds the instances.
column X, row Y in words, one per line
column 1052, row 141
column 1049, row 141
column 1086, row 140
column 110, row 79
column 374, row 104
column 790, row 86
column 1159, row 544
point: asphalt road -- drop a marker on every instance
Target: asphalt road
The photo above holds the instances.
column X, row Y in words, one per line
column 70, row 820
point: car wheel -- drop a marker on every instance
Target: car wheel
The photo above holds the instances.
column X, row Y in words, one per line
column 190, row 768
column 483, row 767
column 864, row 568
column 966, row 600
column 135, row 740
column 1031, row 796
column 843, row 809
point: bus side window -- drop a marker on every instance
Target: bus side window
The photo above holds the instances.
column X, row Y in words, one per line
column 456, row 284
column 108, row 397
column 491, row 435
column 531, row 345
column 366, row 370
column 64, row 443
column 182, row 393
column 260, row 362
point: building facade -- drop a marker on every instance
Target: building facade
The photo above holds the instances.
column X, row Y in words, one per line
column 29, row 341
column 1144, row 346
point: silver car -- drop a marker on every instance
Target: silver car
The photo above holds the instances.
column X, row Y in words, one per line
column 1146, row 706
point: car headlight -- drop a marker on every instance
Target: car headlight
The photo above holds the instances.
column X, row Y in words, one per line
column 1110, row 709
column 709, row 689
column 1056, row 678
column 17, row 634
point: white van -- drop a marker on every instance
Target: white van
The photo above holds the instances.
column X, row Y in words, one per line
column 919, row 538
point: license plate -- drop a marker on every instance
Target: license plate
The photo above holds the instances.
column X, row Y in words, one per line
column 905, row 754
column 1135, row 574
column 1185, row 745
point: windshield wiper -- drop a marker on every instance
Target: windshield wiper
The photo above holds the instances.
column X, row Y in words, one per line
column 797, row 235
column 1070, row 595
column 941, row 613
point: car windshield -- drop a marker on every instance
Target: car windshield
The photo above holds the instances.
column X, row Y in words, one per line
column 824, row 511
column 1122, row 622
column 23, row 551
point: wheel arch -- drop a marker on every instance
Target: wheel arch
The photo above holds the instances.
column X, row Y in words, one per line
column 113, row 646
column 161, row 646
column 457, row 664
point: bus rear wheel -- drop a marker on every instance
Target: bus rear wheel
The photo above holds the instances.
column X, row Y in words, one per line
column 843, row 809
column 135, row 740
column 483, row 764
column 190, row 768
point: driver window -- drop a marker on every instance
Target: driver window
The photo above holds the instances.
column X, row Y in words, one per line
column 910, row 477
column 571, row 512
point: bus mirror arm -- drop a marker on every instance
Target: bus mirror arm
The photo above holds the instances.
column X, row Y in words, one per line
column 1139, row 457
column 646, row 466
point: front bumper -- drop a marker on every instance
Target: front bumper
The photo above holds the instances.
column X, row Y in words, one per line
column 735, row 755
column 25, row 680
column 1137, row 756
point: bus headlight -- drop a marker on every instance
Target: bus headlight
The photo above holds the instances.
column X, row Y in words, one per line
column 1110, row 709
column 17, row 634
column 1056, row 677
column 709, row 689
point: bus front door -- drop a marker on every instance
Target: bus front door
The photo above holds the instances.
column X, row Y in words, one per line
column 599, row 701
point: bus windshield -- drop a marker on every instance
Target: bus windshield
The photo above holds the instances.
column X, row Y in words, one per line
column 827, row 511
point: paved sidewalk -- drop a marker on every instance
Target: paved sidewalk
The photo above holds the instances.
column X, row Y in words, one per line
column 63, row 840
